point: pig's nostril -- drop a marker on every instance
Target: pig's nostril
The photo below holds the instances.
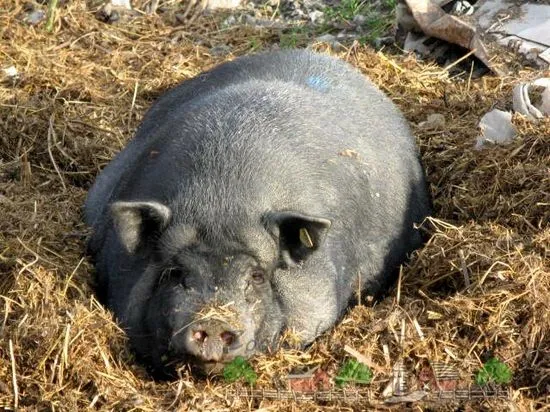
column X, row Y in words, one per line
column 228, row 338
column 200, row 336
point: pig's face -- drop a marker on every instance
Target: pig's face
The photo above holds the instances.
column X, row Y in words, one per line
column 209, row 308
column 208, row 296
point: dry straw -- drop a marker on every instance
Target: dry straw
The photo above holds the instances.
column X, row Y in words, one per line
column 480, row 286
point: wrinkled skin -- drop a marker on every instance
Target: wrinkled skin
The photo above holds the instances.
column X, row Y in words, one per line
column 269, row 186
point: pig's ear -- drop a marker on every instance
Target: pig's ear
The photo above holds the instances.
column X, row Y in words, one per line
column 136, row 222
column 299, row 234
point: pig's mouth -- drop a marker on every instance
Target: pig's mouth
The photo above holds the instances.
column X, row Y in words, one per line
column 205, row 346
column 205, row 343
column 205, row 363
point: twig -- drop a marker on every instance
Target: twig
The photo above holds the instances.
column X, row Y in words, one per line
column 359, row 285
column 402, row 336
column 52, row 4
column 63, row 356
column 399, row 280
column 386, row 351
column 36, row 256
column 177, row 395
column 14, row 378
column 153, row 9
column 459, row 60
column 134, row 96
column 418, row 329
column 464, row 269
column 71, row 277
column 51, row 136
column 26, row 171
column 360, row 357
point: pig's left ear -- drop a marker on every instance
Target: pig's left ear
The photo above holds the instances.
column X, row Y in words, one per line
column 299, row 234
column 136, row 222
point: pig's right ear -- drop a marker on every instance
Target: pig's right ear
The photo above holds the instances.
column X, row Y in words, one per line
column 299, row 234
column 136, row 222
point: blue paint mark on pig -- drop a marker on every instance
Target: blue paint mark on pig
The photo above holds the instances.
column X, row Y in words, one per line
column 318, row 83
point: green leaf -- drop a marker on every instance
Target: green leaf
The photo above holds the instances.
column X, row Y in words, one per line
column 239, row 368
column 240, row 362
column 494, row 371
column 250, row 377
column 353, row 371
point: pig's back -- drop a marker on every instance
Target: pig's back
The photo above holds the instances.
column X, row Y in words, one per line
column 276, row 131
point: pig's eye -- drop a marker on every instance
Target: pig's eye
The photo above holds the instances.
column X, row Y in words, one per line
column 258, row 276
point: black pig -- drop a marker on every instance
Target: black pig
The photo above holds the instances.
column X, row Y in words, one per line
column 252, row 201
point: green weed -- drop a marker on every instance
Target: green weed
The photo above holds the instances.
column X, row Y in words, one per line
column 494, row 371
column 353, row 371
column 239, row 368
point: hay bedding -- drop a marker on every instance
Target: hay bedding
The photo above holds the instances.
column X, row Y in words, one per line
column 480, row 286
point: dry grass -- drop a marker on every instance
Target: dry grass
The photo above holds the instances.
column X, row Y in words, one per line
column 481, row 284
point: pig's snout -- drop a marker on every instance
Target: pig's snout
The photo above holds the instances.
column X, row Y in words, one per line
column 210, row 340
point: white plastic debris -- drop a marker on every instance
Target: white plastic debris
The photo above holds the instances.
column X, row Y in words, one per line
column 529, row 99
column 522, row 100
column 316, row 16
column 34, row 17
column 521, row 27
column 462, row 8
column 9, row 74
column 545, row 104
column 222, row 4
column 497, row 128
column 123, row 4
column 359, row 19
column 230, row 21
